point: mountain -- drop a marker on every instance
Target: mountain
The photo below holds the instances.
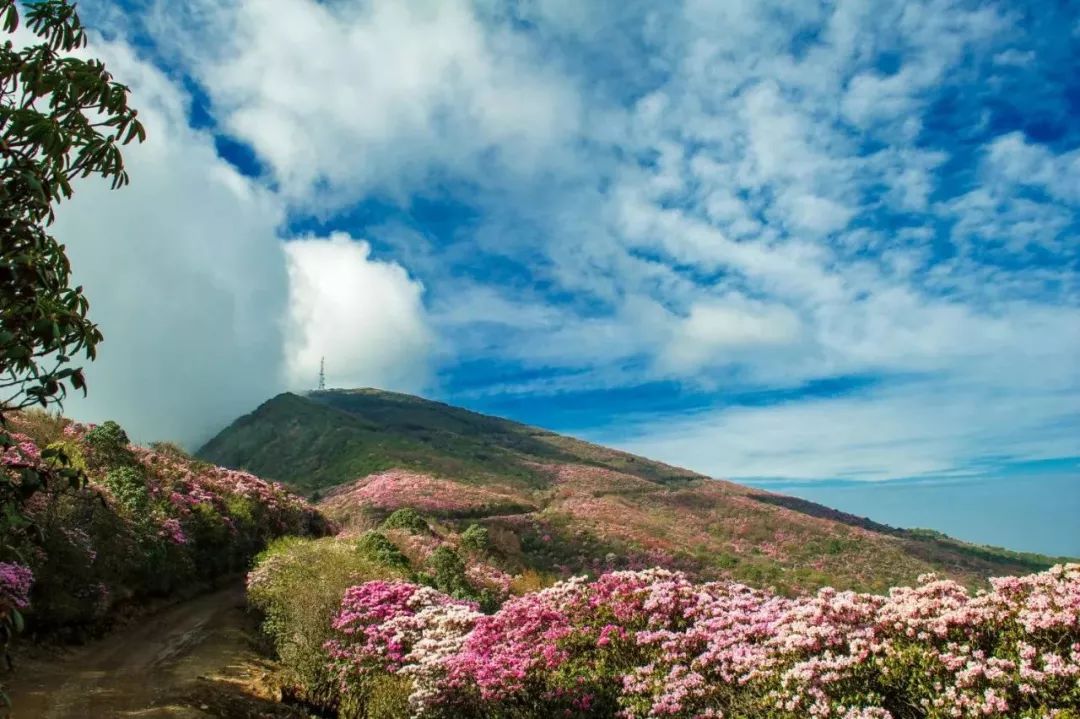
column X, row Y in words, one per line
column 556, row 504
column 327, row 438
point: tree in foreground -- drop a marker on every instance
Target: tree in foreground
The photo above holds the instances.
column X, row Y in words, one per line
column 62, row 118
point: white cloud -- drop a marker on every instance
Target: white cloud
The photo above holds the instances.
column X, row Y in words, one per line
column 364, row 316
column 341, row 99
column 739, row 194
column 1014, row 160
column 725, row 331
column 818, row 214
column 184, row 272
column 915, row 429
column 206, row 310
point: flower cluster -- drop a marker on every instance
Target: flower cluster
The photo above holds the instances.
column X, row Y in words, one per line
column 655, row 644
column 399, row 488
column 172, row 530
column 485, row 576
column 397, row 626
column 15, row 583
column 22, row 452
column 147, row 521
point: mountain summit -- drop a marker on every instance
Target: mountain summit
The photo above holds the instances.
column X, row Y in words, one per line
column 558, row 504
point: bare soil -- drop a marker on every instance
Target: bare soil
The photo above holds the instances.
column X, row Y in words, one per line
column 200, row 658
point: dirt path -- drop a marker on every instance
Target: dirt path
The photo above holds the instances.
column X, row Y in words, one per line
column 194, row 660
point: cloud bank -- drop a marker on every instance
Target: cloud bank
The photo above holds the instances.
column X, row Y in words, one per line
column 201, row 295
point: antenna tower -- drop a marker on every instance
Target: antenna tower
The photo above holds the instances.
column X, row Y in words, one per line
column 322, row 374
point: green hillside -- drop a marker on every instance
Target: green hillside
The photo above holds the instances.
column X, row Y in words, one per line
column 555, row 504
column 327, row 438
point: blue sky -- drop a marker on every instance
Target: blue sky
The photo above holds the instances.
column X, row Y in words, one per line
column 812, row 240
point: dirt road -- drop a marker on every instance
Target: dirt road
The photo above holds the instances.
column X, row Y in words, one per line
column 194, row 660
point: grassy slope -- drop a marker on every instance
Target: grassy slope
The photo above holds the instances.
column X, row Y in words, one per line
column 591, row 501
column 329, row 438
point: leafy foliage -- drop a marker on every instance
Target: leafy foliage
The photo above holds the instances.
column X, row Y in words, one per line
column 447, row 573
column 379, row 549
column 61, row 118
column 407, row 519
column 475, row 539
column 108, row 444
column 128, row 486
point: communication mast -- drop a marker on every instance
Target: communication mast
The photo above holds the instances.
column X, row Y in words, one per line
column 322, row 374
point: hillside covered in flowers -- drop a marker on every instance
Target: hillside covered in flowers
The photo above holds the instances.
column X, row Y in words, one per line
column 144, row 522
column 487, row 569
column 560, row 506
column 396, row 623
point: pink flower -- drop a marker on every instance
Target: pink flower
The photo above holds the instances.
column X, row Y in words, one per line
column 15, row 583
column 172, row 530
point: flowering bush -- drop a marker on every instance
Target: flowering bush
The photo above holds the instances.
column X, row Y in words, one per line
column 397, row 627
column 15, row 583
column 298, row 585
column 399, row 488
column 655, row 644
column 147, row 522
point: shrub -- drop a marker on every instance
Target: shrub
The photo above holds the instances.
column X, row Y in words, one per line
column 407, row 519
column 128, row 486
column 475, row 539
column 379, row 549
column 298, row 584
column 654, row 644
column 446, row 572
column 388, row 697
column 109, row 444
column 530, row 581
column 170, row 524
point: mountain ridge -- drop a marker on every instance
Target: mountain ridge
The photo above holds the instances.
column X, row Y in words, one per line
column 367, row 452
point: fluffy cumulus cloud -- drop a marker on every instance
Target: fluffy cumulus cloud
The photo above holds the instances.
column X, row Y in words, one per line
column 185, row 274
column 731, row 199
column 204, row 305
column 364, row 317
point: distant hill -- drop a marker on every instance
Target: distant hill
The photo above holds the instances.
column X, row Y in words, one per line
column 558, row 504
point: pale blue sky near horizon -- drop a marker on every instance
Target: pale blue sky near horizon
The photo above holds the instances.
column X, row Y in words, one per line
column 1038, row 512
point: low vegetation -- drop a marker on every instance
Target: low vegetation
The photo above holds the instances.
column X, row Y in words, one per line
column 451, row 634
column 326, row 439
column 147, row 522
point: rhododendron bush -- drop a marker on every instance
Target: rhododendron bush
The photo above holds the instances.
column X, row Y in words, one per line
column 654, row 644
column 397, row 488
column 147, row 522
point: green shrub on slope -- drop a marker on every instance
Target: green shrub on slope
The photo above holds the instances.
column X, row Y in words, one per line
column 379, row 549
column 475, row 539
column 298, row 585
column 407, row 519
